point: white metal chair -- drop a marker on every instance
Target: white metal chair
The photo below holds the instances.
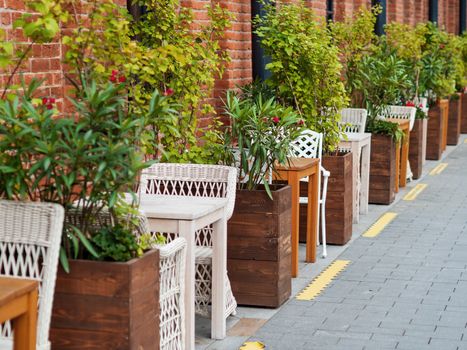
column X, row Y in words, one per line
column 198, row 180
column 310, row 145
column 30, row 235
column 353, row 120
column 171, row 295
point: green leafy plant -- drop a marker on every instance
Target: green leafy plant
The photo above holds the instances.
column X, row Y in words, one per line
column 306, row 73
column 160, row 51
column 261, row 130
column 355, row 37
column 81, row 160
column 437, row 77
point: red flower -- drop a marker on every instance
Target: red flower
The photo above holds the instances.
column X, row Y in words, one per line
column 113, row 78
column 300, row 122
column 410, row 104
column 275, row 120
column 114, row 72
column 51, row 100
column 44, row 100
column 49, row 106
column 168, row 92
column 442, row 46
column 122, row 79
column 420, row 106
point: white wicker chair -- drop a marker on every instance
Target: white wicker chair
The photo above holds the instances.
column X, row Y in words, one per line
column 198, row 180
column 30, row 235
column 172, row 285
column 310, row 145
column 353, row 120
column 402, row 112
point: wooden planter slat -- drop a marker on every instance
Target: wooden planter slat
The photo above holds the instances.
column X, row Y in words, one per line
column 436, row 129
column 454, row 123
column 464, row 114
column 382, row 169
column 416, row 149
column 105, row 305
column 259, row 247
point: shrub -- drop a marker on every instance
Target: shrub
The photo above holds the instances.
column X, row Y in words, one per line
column 305, row 66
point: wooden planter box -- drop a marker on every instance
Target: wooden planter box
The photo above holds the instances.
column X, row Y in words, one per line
column 382, row 169
column 107, row 305
column 436, row 129
column 454, row 121
column 339, row 214
column 464, row 113
column 416, row 148
column 259, row 247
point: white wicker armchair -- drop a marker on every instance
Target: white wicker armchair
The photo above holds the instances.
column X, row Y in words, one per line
column 353, row 120
column 196, row 180
column 310, row 145
column 402, row 112
column 30, row 235
column 172, row 285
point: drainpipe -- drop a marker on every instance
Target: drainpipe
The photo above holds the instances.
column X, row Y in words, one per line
column 462, row 15
column 329, row 10
column 260, row 59
column 433, row 11
column 381, row 19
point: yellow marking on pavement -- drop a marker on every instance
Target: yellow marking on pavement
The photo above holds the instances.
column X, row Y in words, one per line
column 465, row 141
column 323, row 280
column 379, row 225
column 414, row 192
column 439, row 169
column 252, row 345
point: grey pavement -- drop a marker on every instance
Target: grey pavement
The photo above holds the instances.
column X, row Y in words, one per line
column 404, row 289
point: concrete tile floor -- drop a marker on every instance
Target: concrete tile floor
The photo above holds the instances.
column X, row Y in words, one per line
column 378, row 307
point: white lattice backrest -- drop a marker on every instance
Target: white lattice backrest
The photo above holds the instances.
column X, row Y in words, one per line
column 172, row 287
column 402, row 112
column 198, row 180
column 30, row 235
column 308, row 145
column 353, row 120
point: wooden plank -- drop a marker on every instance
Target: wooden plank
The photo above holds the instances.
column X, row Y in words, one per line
column 454, row 120
column 382, row 170
column 434, row 148
column 464, row 114
column 416, row 149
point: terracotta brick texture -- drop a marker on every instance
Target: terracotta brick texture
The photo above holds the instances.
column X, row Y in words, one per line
column 45, row 60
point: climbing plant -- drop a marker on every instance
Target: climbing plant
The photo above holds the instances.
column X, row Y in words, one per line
column 306, row 72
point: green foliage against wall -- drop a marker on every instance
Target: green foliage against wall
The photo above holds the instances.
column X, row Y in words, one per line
column 161, row 51
column 306, row 72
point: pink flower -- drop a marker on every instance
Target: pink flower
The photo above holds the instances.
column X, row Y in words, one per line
column 420, row 106
column 275, row 120
column 168, row 92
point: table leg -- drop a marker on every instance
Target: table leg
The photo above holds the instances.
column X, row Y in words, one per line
column 187, row 231
column 25, row 325
column 404, row 159
column 365, row 178
column 356, row 177
column 219, row 272
column 294, row 182
column 312, row 216
column 398, row 162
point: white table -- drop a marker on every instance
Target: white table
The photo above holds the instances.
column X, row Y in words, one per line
column 360, row 145
column 185, row 215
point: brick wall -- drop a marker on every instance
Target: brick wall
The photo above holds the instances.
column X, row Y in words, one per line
column 45, row 61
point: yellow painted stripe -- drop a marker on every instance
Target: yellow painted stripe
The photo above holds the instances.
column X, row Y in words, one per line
column 323, row 280
column 252, row 345
column 465, row 141
column 379, row 225
column 415, row 192
column 439, row 169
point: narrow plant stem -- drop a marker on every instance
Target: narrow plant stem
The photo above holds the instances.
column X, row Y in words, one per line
column 20, row 61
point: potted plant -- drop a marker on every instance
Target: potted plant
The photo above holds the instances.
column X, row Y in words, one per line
column 259, row 232
column 306, row 74
column 438, row 81
column 408, row 41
